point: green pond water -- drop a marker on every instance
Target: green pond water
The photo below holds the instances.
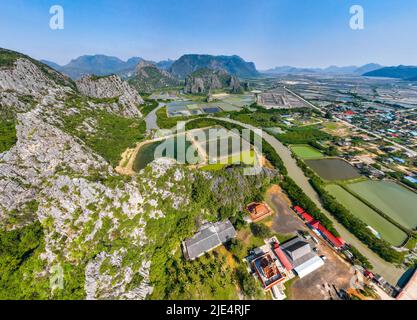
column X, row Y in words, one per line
column 333, row 169
column 146, row 153
column 386, row 229
column 394, row 200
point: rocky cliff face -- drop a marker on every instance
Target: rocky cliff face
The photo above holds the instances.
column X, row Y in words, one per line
column 149, row 77
column 52, row 178
column 112, row 87
column 206, row 80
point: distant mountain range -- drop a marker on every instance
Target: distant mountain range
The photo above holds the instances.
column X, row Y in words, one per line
column 102, row 65
column 234, row 65
column 348, row 70
column 99, row 65
column 400, row 72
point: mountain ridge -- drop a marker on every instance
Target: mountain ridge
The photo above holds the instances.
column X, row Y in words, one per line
column 234, row 65
column 398, row 72
column 355, row 70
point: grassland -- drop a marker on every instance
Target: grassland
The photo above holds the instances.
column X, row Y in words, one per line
column 394, row 200
column 306, row 152
column 387, row 230
column 245, row 157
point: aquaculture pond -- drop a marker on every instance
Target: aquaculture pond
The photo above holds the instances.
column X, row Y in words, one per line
column 386, row 229
column 333, row 169
column 391, row 198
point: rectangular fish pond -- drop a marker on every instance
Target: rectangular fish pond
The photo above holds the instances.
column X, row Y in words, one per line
column 333, row 169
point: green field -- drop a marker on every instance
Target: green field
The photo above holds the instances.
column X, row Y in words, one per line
column 305, row 151
column 394, row 200
column 386, row 229
column 245, row 157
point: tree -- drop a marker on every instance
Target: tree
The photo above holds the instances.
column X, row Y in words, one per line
column 260, row 230
column 247, row 283
column 237, row 248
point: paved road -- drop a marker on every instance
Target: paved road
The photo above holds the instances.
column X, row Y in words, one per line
column 151, row 123
column 356, row 127
column 385, row 269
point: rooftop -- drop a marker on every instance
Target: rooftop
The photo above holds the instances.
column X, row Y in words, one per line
column 210, row 236
column 258, row 211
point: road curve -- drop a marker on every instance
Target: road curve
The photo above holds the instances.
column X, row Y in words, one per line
column 391, row 273
column 151, row 118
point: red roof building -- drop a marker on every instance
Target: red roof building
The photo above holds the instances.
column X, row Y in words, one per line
column 259, row 211
column 282, row 257
column 307, row 217
column 335, row 241
column 267, row 271
column 315, row 224
column 299, row 210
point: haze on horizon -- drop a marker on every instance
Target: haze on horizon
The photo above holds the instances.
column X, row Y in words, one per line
column 268, row 32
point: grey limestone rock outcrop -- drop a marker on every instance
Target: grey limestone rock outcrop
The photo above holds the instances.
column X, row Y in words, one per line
column 112, row 87
column 207, row 80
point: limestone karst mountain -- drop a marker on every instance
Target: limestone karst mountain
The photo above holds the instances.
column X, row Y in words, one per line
column 208, row 80
column 234, row 65
column 149, row 77
column 99, row 64
column 112, row 87
column 64, row 207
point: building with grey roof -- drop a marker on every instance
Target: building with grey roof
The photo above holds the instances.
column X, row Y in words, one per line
column 302, row 257
column 209, row 237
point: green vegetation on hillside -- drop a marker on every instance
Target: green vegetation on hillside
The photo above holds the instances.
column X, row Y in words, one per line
column 7, row 134
column 19, row 250
column 221, row 197
column 113, row 134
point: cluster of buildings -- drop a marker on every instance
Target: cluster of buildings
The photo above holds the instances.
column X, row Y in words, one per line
column 273, row 264
column 388, row 123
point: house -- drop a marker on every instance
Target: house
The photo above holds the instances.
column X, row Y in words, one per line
column 209, row 237
column 259, row 211
column 300, row 256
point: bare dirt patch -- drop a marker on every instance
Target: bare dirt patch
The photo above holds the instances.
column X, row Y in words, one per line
column 327, row 282
column 125, row 166
column 284, row 220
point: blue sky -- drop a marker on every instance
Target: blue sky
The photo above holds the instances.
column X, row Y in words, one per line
column 268, row 32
